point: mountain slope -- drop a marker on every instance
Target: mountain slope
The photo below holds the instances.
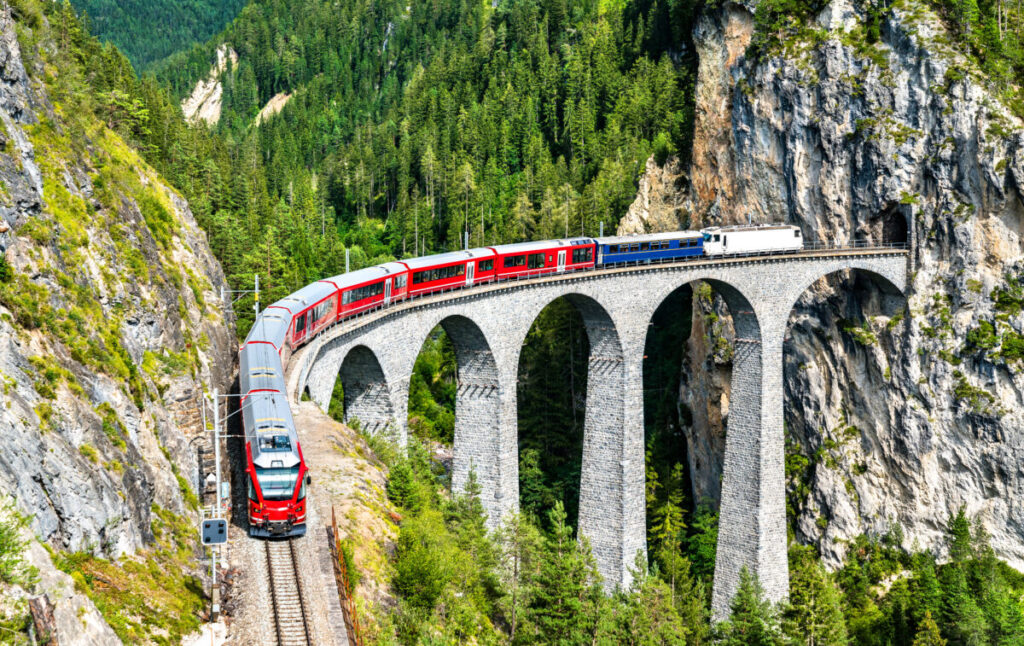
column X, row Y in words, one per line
column 111, row 328
column 407, row 125
column 149, row 30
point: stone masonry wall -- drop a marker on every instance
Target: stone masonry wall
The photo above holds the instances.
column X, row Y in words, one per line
column 488, row 326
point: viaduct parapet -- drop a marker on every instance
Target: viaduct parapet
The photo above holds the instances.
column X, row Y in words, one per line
column 374, row 356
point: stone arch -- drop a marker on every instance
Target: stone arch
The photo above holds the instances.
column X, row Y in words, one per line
column 890, row 280
column 836, row 381
column 605, row 507
column 366, row 393
column 751, row 509
column 477, row 410
column 706, row 471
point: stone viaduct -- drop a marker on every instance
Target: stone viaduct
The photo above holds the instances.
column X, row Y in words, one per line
column 374, row 355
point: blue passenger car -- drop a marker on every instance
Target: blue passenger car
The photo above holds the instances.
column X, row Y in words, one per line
column 648, row 248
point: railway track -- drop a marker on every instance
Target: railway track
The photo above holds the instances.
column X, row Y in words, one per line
column 291, row 621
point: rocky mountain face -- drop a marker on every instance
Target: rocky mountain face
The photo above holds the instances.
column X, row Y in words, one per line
column 904, row 409
column 110, row 326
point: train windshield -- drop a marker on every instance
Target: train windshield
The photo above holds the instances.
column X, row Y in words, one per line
column 277, row 484
column 707, row 237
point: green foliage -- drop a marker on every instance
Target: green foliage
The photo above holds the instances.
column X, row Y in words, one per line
column 150, row 597
column 1012, row 346
column 753, row 622
column 647, row 615
column 6, row 272
column 552, row 390
column 862, row 333
column 89, row 453
column 409, row 124
column 14, row 570
column 928, row 633
column 1010, row 298
column 565, row 602
column 143, row 28
column 982, row 337
column 814, row 613
column 432, row 389
column 978, row 399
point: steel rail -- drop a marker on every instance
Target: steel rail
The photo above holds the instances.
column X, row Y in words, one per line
column 291, row 623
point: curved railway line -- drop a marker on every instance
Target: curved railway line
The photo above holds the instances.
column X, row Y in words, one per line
column 291, row 617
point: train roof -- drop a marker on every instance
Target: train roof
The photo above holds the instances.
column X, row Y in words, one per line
column 270, row 430
column 647, row 237
column 309, row 295
column 259, row 368
column 446, row 258
column 522, row 247
column 751, row 227
column 271, row 326
column 369, row 273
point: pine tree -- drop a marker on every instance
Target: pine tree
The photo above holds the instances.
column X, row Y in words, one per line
column 520, row 543
column 928, row 633
column 814, row 616
column 565, row 597
column 646, row 615
column 753, row 622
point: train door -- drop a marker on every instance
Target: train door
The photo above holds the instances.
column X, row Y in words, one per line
column 561, row 260
column 470, row 270
column 387, row 291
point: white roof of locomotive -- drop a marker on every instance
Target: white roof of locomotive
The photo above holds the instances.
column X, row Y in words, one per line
column 648, row 237
column 750, row 227
column 267, row 416
column 447, row 258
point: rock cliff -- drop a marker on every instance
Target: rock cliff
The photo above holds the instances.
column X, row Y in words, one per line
column 110, row 325
column 906, row 409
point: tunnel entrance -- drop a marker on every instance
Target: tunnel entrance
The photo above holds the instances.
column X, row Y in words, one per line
column 892, row 225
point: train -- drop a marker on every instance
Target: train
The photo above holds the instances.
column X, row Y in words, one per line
column 277, row 475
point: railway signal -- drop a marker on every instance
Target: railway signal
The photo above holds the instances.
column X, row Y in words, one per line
column 214, row 531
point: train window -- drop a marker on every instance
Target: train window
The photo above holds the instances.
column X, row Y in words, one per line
column 582, row 255
column 358, row 294
column 796, row 233
column 485, row 265
column 514, row 261
column 725, row 241
column 300, row 323
column 277, row 484
column 536, row 261
column 275, row 443
column 634, row 247
column 645, row 246
column 400, row 281
column 717, row 237
column 252, row 490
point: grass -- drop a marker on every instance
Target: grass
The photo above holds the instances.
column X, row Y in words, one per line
column 150, row 597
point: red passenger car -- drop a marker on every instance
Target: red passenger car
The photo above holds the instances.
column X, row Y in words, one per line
column 450, row 270
column 312, row 308
column 370, row 288
column 525, row 259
